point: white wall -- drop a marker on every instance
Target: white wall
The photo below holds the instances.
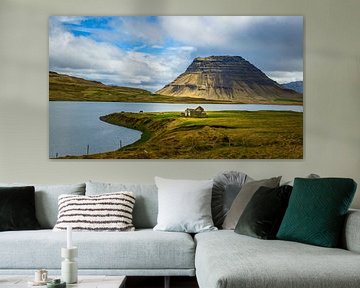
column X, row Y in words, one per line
column 332, row 91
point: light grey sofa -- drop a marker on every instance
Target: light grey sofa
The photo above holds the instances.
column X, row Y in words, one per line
column 220, row 259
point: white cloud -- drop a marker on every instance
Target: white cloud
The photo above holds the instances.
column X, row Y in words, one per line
column 157, row 46
column 182, row 48
column 132, row 29
column 68, row 19
column 269, row 42
column 284, row 76
column 205, row 31
column 273, row 44
column 89, row 59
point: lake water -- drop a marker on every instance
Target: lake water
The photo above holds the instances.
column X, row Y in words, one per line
column 75, row 125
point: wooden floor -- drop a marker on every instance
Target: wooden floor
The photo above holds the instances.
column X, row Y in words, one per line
column 158, row 282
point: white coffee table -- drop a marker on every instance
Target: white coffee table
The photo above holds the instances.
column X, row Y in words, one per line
column 83, row 282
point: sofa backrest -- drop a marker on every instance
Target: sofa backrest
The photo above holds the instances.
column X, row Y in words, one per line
column 146, row 203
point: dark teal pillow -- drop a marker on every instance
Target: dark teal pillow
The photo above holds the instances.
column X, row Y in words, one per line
column 316, row 211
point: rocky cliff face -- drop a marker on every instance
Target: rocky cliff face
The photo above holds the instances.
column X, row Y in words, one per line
column 226, row 78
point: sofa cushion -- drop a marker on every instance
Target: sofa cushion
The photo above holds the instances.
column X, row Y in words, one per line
column 225, row 189
column 143, row 249
column 184, row 205
column 243, row 198
column 146, row 205
column 225, row 259
column 46, row 200
column 263, row 215
column 105, row 212
column 317, row 209
column 17, row 208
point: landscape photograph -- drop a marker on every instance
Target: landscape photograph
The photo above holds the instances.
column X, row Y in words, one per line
column 176, row 87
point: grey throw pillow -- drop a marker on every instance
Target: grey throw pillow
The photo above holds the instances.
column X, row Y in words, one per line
column 226, row 187
column 242, row 199
column 184, row 205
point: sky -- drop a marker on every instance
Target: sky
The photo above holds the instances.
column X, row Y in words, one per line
column 150, row 51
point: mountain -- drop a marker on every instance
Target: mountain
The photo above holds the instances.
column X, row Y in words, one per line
column 296, row 86
column 68, row 88
column 227, row 78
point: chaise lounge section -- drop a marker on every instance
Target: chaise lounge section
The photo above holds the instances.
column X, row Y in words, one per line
column 225, row 259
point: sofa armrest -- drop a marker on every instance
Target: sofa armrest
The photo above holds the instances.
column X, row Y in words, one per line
column 351, row 234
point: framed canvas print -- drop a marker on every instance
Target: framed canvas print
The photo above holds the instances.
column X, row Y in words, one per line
column 176, row 87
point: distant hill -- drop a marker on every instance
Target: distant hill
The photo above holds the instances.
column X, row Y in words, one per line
column 68, row 88
column 296, row 86
column 230, row 78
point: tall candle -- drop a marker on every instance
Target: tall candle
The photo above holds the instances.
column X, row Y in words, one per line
column 69, row 237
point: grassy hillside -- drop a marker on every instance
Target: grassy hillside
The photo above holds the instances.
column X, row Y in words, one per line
column 68, row 88
column 222, row 135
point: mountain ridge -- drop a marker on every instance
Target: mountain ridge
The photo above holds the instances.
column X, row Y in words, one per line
column 227, row 78
column 297, row 86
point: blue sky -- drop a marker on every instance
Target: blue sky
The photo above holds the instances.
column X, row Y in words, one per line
column 150, row 51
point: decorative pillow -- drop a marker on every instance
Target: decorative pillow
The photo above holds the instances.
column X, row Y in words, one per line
column 46, row 200
column 106, row 212
column 226, row 187
column 311, row 176
column 263, row 215
column 184, row 205
column 243, row 198
column 17, row 209
column 146, row 205
column 316, row 211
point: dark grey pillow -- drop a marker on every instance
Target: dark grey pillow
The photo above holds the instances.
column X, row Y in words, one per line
column 17, row 209
column 263, row 214
column 46, row 200
column 242, row 199
column 226, row 187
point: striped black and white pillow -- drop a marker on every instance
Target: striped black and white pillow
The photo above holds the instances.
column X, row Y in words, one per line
column 105, row 212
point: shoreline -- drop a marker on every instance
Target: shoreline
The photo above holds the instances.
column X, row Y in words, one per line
column 220, row 135
column 196, row 101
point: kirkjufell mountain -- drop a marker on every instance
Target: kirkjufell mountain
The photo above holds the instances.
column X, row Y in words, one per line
column 227, row 78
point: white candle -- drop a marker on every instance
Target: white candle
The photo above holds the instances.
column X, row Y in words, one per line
column 69, row 237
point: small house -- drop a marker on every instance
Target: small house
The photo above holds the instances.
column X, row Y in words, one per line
column 198, row 112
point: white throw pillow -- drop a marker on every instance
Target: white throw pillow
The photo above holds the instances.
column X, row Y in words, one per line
column 184, row 205
column 105, row 212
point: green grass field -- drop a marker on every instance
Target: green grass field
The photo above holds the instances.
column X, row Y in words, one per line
column 222, row 135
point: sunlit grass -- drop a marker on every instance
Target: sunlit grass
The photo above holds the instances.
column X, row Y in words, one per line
column 222, row 135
